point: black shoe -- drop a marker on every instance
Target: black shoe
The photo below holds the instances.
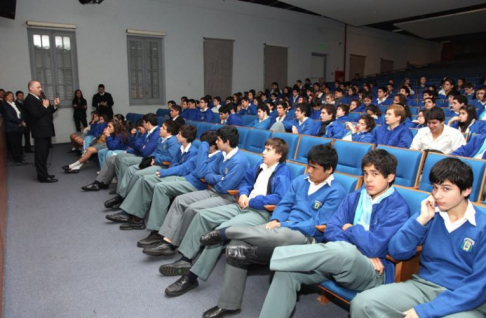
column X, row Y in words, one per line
column 153, row 238
column 72, row 171
column 113, row 202
column 28, row 150
column 210, row 238
column 217, row 312
column 244, row 254
column 91, row 187
column 163, row 249
column 133, row 224
column 103, row 186
column 113, row 192
column 51, row 176
column 177, row 268
column 48, row 180
column 66, row 168
column 121, row 217
column 181, row 286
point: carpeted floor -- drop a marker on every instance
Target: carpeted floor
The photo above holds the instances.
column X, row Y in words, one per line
column 64, row 259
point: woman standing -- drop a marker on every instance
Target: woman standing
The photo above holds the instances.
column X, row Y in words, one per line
column 80, row 106
column 13, row 127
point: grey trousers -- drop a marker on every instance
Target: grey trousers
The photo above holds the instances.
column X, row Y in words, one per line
column 312, row 264
column 392, row 300
column 139, row 198
column 122, row 165
column 208, row 219
column 163, row 192
column 108, row 171
column 235, row 277
column 279, row 127
column 185, row 207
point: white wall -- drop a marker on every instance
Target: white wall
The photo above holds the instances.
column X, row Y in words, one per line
column 102, row 49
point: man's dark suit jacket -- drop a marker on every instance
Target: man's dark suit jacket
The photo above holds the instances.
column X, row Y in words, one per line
column 39, row 118
column 97, row 98
column 180, row 121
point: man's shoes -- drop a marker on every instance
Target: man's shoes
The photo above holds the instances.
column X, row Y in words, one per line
column 95, row 186
column 210, row 238
column 181, row 286
column 163, row 249
column 177, row 268
column 133, row 224
column 217, row 312
column 48, row 180
column 51, row 176
column 113, row 192
column 243, row 254
column 111, row 203
column 121, row 217
column 153, row 238
column 72, row 171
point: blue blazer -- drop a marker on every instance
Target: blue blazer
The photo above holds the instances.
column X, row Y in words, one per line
column 364, row 137
column 166, row 151
column 472, row 147
column 206, row 116
column 305, row 129
column 149, row 144
column 234, row 120
column 401, row 136
column 333, row 130
column 265, row 124
column 181, row 164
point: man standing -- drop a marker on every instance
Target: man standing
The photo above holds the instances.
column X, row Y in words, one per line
column 19, row 101
column 39, row 113
column 103, row 102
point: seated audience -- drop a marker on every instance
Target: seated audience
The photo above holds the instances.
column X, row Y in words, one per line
column 227, row 117
column 475, row 148
column 394, row 132
column 467, row 121
column 329, row 126
column 362, row 132
column 263, row 121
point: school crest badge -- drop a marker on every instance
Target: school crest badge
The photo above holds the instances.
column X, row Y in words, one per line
column 467, row 245
column 226, row 170
column 317, row 205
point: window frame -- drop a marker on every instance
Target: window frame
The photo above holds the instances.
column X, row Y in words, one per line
column 52, row 33
column 161, row 70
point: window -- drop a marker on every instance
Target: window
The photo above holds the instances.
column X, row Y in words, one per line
column 145, row 70
column 53, row 62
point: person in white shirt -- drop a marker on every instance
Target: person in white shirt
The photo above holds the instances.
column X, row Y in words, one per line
column 437, row 136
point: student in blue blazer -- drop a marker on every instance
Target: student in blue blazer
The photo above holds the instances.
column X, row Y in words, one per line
column 467, row 121
column 228, row 116
column 302, row 124
column 328, row 127
column 394, row 133
column 263, row 121
column 362, row 131
column 475, row 148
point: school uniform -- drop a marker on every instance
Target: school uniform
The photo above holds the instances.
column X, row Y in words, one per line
column 315, row 114
column 224, row 174
column 304, row 128
column 138, row 199
column 450, row 281
column 206, row 115
column 257, row 124
column 298, row 212
column 165, row 152
column 450, row 113
column 264, row 186
column 364, row 137
column 401, row 136
column 475, row 127
column 246, row 111
column 476, row 148
column 480, row 108
column 345, row 256
column 332, row 130
column 447, row 142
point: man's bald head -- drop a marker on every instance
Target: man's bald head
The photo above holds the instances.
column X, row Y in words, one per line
column 35, row 88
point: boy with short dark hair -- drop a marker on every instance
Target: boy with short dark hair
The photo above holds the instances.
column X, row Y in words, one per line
column 227, row 117
column 451, row 280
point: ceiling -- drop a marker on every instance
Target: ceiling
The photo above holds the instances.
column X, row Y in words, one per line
column 430, row 19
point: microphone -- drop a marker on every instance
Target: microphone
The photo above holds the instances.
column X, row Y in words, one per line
column 42, row 95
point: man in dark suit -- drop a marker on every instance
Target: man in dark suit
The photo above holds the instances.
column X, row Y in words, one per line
column 103, row 102
column 39, row 115
column 19, row 101
column 175, row 112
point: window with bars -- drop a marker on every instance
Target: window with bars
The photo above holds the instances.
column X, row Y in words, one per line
column 54, row 63
column 145, row 70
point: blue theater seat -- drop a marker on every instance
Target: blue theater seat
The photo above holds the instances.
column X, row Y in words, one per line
column 162, row 112
column 133, row 117
column 255, row 140
column 349, row 182
column 306, row 143
column 292, row 141
column 350, row 154
column 243, row 134
column 296, row 168
column 253, row 158
column 410, row 163
column 248, row 119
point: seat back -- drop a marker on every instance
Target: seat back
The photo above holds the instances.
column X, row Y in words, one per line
column 161, row 112
column 296, row 168
column 243, row 132
column 480, row 207
column 410, row 163
column 133, row 117
column 253, row 158
column 292, row 141
column 255, row 140
column 413, row 197
column 478, row 167
column 248, row 119
column 202, row 127
column 305, row 144
column 354, row 117
column 350, row 154
column 349, row 182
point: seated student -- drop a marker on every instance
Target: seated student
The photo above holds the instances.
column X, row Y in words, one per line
column 342, row 112
column 301, row 124
column 356, row 247
column 450, row 98
column 329, row 126
column 448, row 85
column 227, row 117
column 311, row 200
column 475, row 148
column 329, row 99
column 429, row 103
column 137, row 200
column 451, row 280
column 356, row 106
column 420, row 121
column 216, row 104
column 315, row 111
column 467, row 121
column 375, row 112
column 480, row 102
column 263, row 121
column 246, row 107
column 390, row 89
column 405, row 91
column 338, row 96
column 274, row 98
column 192, row 111
column 158, row 190
column 273, row 110
column 458, row 101
column 78, row 138
column 115, row 137
column 277, row 122
column 425, row 95
column 264, row 184
column 367, row 100
column 351, row 94
column 362, row 131
column 224, row 174
column 382, row 97
column 128, row 168
column 437, row 136
column 295, row 96
column 175, row 115
column 96, row 129
column 185, row 110
column 422, row 83
column 469, row 92
column 394, row 132
column 204, row 113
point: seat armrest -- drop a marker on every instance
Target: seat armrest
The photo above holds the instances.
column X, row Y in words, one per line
column 233, row 192
column 166, row 163
column 321, row 227
column 269, row 207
